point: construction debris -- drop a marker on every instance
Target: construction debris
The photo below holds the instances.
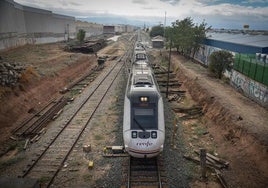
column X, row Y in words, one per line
column 10, row 73
column 114, row 151
column 90, row 164
column 170, row 84
column 221, row 178
column 213, row 162
column 26, row 143
column 175, row 97
column 57, row 114
column 88, row 46
column 203, row 164
column 191, row 113
column 87, row 148
column 191, row 110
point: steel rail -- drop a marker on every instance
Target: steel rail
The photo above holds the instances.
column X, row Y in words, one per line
column 147, row 172
column 159, row 174
column 65, row 126
column 81, row 132
column 31, row 118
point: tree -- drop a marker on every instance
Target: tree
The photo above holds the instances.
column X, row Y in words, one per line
column 199, row 35
column 219, row 61
column 183, row 35
column 157, row 30
column 187, row 36
column 81, row 35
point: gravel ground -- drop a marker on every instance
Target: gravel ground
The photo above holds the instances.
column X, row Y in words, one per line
column 106, row 129
column 107, row 172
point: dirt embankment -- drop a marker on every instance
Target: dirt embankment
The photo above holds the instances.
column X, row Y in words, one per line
column 50, row 70
column 238, row 125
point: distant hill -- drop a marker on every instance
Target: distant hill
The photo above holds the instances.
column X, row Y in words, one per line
column 114, row 20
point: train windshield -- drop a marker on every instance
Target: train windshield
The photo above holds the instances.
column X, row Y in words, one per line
column 144, row 118
column 140, row 56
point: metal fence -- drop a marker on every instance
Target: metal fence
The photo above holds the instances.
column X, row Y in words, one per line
column 253, row 66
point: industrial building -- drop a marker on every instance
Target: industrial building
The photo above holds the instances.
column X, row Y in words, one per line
column 21, row 25
column 109, row 29
column 158, row 42
column 250, row 69
column 91, row 29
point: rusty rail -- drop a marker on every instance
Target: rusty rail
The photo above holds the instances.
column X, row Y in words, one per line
column 51, row 148
column 31, row 126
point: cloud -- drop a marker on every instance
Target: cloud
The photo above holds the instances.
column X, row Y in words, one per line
column 143, row 2
column 255, row 1
column 172, row 2
column 213, row 11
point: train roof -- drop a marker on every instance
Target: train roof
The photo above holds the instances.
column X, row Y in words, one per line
column 143, row 84
column 142, row 79
column 141, row 67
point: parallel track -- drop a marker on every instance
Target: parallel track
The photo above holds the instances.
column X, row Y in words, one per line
column 53, row 157
column 31, row 126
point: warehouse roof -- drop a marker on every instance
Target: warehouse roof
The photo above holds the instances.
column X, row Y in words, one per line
column 238, row 42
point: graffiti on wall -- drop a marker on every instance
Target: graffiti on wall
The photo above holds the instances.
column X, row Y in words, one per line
column 249, row 87
column 202, row 55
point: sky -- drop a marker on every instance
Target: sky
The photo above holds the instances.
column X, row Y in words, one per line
column 228, row 14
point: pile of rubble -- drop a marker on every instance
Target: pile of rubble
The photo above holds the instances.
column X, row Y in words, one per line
column 88, row 46
column 9, row 73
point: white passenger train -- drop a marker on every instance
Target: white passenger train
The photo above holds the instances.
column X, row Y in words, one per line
column 143, row 124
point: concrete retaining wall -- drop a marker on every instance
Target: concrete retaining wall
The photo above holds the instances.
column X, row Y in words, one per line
column 21, row 25
column 252, row 89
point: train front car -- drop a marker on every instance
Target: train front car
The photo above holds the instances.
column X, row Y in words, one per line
column 144, row 127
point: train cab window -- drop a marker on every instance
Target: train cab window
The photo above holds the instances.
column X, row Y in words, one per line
column 144, row 118
column 140, row 56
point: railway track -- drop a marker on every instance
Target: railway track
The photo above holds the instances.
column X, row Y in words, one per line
column 32, row 127
column 52, row 158
column 34, row 124
column 144, row 173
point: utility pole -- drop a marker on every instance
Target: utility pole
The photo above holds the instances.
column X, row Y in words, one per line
column 68, row 32
column 169, row 59
column 165, row 25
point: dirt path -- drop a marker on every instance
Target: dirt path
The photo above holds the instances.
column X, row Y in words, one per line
column 239, row 126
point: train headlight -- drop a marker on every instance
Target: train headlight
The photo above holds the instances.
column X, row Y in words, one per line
column 154, row 134
column 134, row 134
column 144, row 99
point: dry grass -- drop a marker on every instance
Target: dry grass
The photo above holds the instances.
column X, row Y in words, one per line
column 4, row 91
column 28, row 75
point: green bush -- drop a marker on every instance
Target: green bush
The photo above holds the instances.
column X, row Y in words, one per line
column 219, row 61
column 81, row 35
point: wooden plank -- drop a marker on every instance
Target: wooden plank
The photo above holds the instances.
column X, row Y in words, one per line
column 211, row 157
column 115, row 155
column 221, row 178
column 203, row 164
column 219, row 160
column 26, row 143
column 196, row 160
